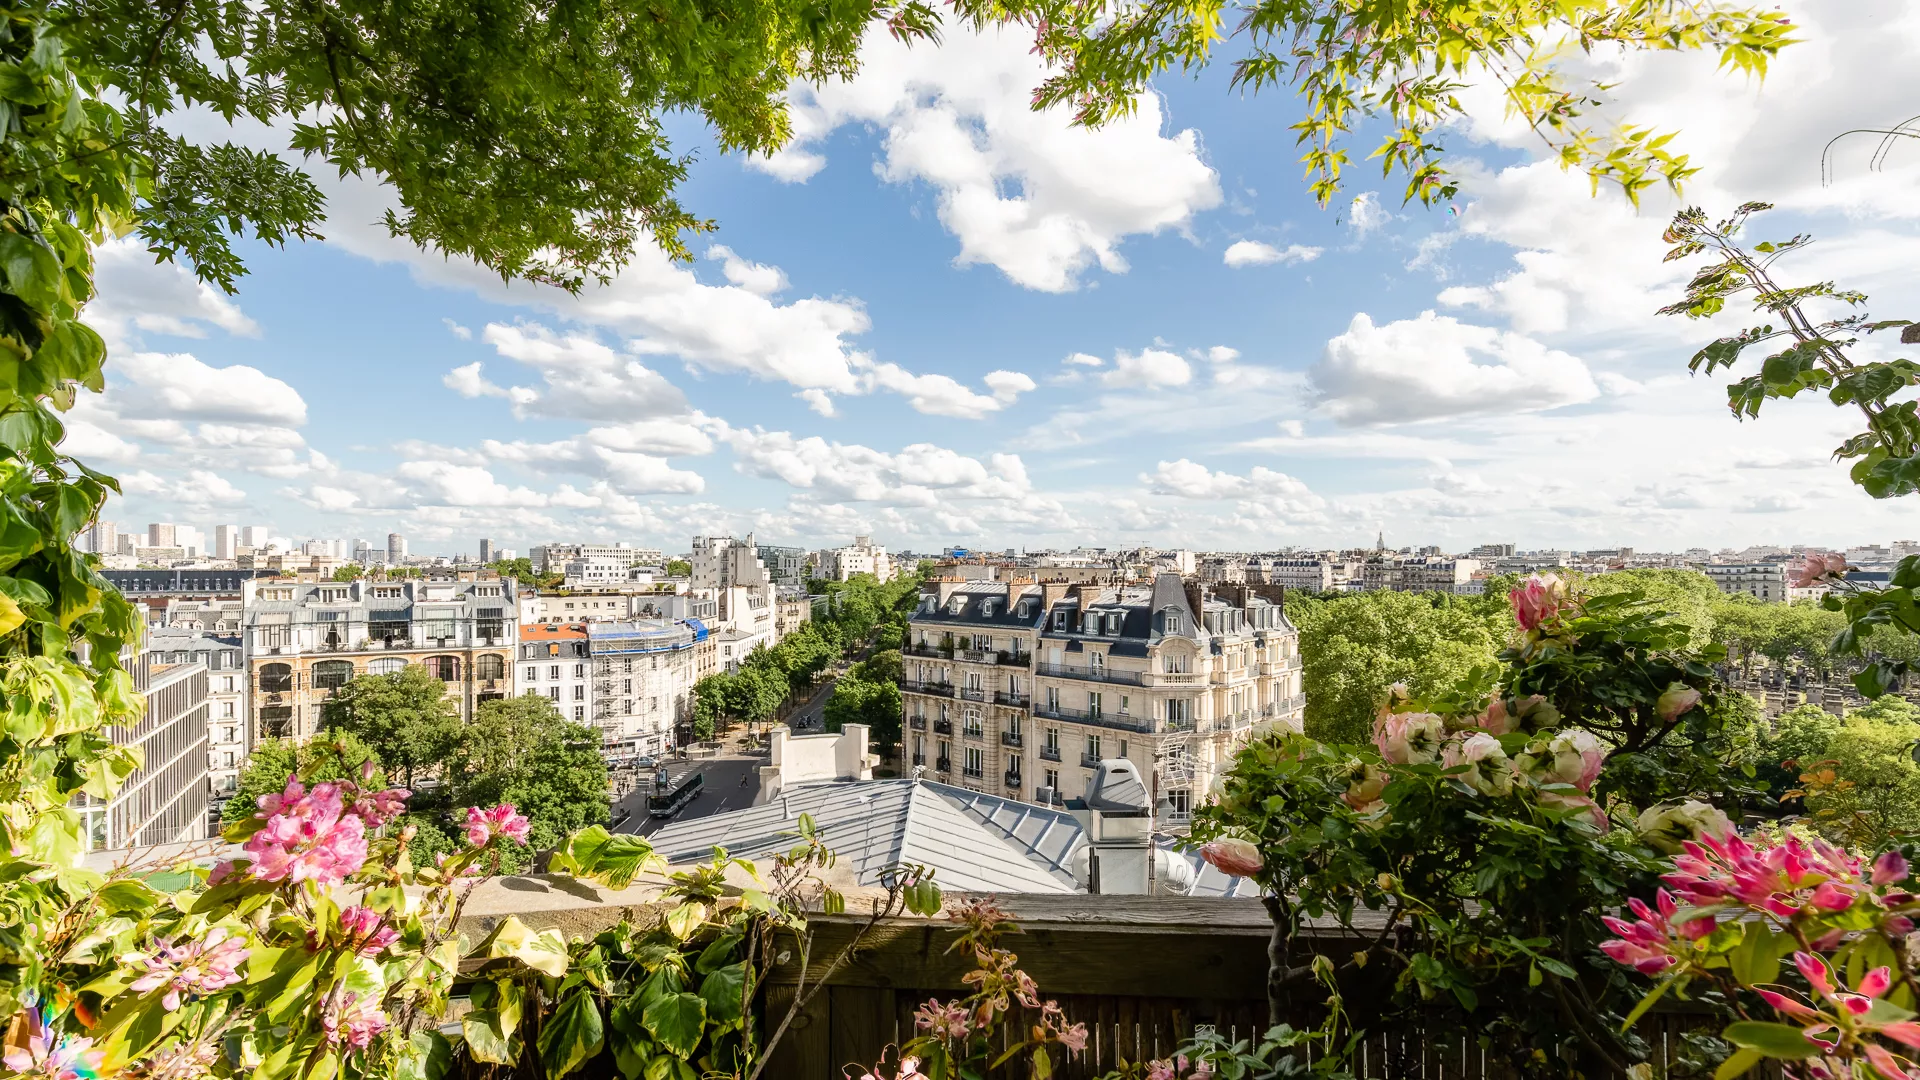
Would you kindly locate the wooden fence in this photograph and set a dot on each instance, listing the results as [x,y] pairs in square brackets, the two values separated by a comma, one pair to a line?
[1142,973]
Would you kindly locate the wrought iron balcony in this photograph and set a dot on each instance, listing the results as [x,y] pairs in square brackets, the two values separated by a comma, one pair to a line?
[1011,738]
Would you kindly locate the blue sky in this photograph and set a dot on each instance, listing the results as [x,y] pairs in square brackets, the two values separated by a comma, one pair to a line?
[942,319]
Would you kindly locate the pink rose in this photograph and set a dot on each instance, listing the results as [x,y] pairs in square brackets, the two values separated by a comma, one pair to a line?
[1818,566]
[1363,792]
[1409,738]
[1232,855]
[1676,700]
[1537,600]
[1592,815]
[1495,719]
[1489,772]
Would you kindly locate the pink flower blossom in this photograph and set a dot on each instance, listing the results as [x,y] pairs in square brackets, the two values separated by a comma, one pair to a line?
[1783,880]
[1074,1038]
[353,1021]
[1571,757]
[1409,738]
[1537,600]
[309,836]
[50,1056]
[379,807]
[1232,855]
[1890,869]
[1818,566]
[948,1021]
[1835,1012]
[365,931]
[909,1070]
[1675,700]
[502,820]
[194,967]
[181,1061]
[1495,719]
[1652,943]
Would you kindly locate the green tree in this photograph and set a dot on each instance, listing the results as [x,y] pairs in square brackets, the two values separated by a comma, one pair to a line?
[1354,647]
[712,704]
[521,750]
[1866,788]
[405,717]
[679,568]
[1687,596]
[338,756]
[1396,65]
[349,572]
[860,700]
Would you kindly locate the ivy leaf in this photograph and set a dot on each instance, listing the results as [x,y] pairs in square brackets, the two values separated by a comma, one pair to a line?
[677,1021]
[487,1038]
[571,1036]
[544,952]
[428,1056]
[723,990]
[1738,1063]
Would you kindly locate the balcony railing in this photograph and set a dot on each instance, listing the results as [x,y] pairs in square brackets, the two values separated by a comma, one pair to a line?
[1172,678]
[970,772]
[932,651]
[919,759]
[1116,721]
[1013,778]
[944,765]
[973,693]
[938,689]
[975,732]
[1087,760]
[1010,738]
[1008,697]
[917,723]
[943,727]
[1101,674]
[1050,753]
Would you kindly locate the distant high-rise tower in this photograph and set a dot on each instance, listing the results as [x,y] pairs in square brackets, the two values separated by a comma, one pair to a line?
[254,536]
[105,540]
[1380,541]
[159,535]
[225,539]
[487,551]
[396,549]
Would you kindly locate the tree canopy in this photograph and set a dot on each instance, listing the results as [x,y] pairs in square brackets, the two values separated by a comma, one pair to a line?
[405,717]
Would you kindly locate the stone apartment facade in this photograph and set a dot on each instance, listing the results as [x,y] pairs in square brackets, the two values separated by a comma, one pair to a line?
[228,742]
[555,663]
[643,674]
[1021,688]
[304,641]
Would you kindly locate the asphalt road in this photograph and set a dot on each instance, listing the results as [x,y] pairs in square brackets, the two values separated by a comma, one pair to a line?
[732,782]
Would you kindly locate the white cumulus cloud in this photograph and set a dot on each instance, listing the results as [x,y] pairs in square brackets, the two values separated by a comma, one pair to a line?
[1435,366]
[1254,253]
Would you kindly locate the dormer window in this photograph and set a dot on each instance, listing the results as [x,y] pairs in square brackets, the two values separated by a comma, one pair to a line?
[1059,620]
[986,609]
[1021,611]
[959,605]
[1173,623]
[1114,621]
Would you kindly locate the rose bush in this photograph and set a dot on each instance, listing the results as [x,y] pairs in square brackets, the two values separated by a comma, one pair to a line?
[1473,849]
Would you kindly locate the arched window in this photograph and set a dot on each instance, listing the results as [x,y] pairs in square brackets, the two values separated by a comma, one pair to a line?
[331,674]
[444,668]
[276,679]
[386,665]
[489,667]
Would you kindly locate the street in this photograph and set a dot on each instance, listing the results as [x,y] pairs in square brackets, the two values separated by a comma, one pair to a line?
[732,781]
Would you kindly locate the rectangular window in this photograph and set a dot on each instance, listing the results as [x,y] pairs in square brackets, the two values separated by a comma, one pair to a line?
[579,693]
[1093,706]
[1053,699]
[1123,748]
[1093,747]
[1179,710]
[1059,620]
[1123,704]
[553,671]
[1097,663]
[579,671]
[626,686]
[1053,739]
[973,722]
[533,674]
[1053,779]
[553,692]
[579,713]
[975,764]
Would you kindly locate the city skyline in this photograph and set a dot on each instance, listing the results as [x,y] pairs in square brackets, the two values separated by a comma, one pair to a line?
[939,318]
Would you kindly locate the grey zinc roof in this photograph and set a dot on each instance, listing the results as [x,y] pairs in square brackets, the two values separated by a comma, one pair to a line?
[974,842]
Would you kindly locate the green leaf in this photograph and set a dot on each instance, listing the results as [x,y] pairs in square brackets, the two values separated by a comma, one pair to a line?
[723,990]
[1738,1063]
[718,952]
[487,1038]
[428,1056]
[677,1021]
[1646,1002]
[682,921]
[1773,1040]
[571,1036]
[1756,959]
[613,859]
[545,952]
[121,897]
[32,273]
